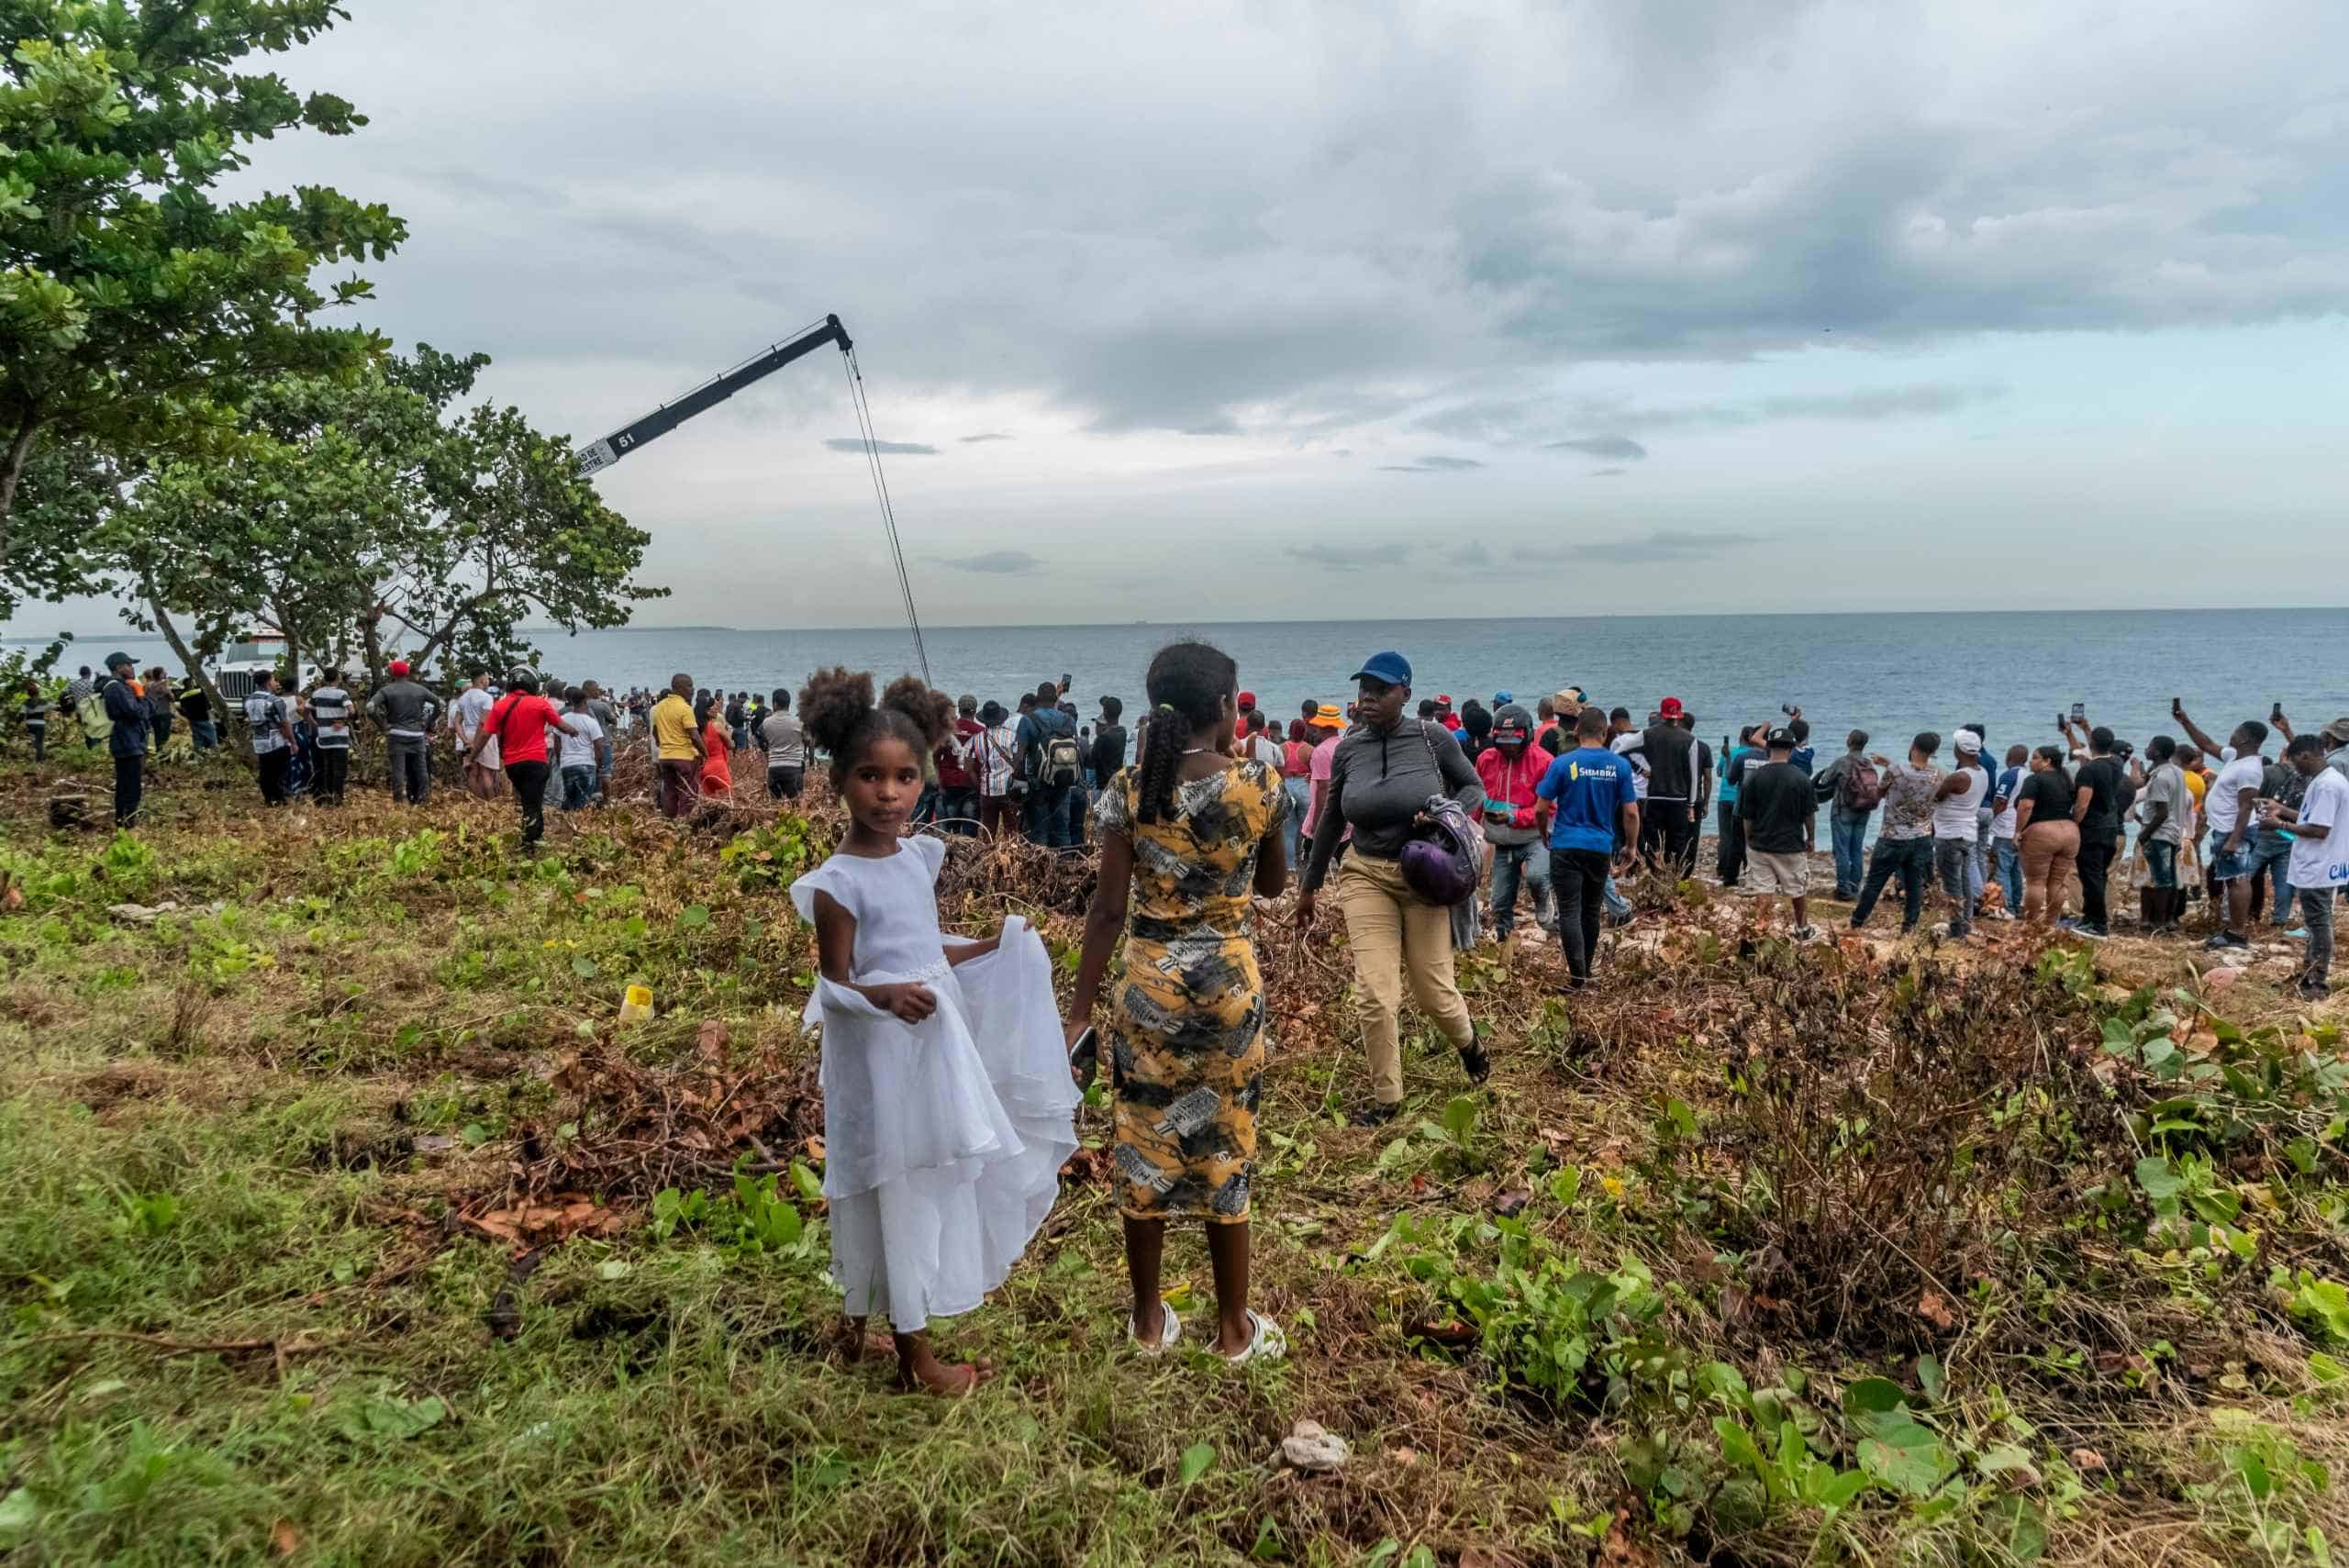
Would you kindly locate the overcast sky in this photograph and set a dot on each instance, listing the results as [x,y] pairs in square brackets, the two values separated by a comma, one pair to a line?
[1272,311]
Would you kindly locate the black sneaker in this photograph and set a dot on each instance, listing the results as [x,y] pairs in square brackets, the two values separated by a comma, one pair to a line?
[1378,1113]
[2314,990]
[2224,940]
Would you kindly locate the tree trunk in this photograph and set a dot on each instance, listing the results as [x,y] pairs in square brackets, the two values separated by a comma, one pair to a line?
[203,677]
[12,472]
[369,630]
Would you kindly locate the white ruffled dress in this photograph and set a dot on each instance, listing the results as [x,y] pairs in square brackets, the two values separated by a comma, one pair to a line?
[944,1139]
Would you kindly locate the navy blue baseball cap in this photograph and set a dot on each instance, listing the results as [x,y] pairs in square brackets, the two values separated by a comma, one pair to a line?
[1389,667]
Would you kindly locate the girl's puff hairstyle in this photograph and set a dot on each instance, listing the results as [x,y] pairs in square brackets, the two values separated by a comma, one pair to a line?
[1188,685]
[837,712]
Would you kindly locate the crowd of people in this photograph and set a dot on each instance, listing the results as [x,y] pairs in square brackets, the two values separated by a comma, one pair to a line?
[949,1099]
[2050,834]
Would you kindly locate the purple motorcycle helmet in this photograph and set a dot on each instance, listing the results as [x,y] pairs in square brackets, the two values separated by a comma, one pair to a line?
[1440,865]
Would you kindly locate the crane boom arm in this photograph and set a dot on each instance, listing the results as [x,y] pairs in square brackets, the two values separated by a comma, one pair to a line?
[708,395]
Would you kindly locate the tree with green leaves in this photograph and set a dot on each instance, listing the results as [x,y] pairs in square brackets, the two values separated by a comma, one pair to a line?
[138,308]
[345,506]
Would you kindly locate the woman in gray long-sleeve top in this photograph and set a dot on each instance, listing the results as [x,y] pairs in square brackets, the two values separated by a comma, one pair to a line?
[1380,778]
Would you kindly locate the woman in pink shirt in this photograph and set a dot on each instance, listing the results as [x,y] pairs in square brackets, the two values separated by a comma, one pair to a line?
[1328,726]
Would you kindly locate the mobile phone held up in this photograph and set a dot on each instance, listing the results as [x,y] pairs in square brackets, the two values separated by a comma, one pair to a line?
[1084,1057]
[2079,711]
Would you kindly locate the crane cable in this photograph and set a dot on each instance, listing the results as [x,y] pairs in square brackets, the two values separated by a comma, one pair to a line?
[888,512]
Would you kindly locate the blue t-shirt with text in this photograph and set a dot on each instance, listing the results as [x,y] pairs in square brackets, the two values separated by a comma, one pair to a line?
[1591,788]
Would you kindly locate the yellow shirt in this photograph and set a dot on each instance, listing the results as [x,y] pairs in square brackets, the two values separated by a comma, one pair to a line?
[673,729]
[2197,784]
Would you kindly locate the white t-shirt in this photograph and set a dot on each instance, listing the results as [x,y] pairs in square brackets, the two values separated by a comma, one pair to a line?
[2003,823]
[2323,862]
[469,710]
[2219,804]
[579,746]
[1954,814]
[1621,746]
[1265,749]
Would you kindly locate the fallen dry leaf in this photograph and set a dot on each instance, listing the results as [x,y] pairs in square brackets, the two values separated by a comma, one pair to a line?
[284,1539]
[712,1037]
[1936,1311]
[2088,1462]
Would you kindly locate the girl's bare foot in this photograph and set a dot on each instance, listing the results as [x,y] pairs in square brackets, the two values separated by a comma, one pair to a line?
[954,1381]
[858,1344]
[919,1368]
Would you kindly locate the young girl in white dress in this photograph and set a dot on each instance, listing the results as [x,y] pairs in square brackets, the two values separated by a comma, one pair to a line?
[948,1109]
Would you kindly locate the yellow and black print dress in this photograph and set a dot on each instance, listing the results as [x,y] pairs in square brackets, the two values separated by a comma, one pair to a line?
[1186,1033]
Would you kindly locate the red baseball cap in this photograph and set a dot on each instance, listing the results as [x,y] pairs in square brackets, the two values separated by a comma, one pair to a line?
[398,666]
[1443,699]
[1247,699]
[1669,707]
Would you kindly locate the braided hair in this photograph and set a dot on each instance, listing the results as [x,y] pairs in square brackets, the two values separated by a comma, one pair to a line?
[838,713]
[1188,685]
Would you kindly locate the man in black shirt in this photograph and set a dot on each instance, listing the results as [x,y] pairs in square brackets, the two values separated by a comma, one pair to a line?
[1667,822]
[2097,809]
[1108,752]
[1779,810]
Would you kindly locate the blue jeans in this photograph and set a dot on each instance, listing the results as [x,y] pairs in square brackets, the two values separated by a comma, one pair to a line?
[2270,867]
[1300,796]
[2161,862]
[2011,872]
[1513,864]
[1047,816]
[1850,831]
[205,733]
[578,786]
[1617,904]
[1952,863]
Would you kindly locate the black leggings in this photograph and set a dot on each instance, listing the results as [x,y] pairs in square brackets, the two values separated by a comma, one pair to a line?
[530,781]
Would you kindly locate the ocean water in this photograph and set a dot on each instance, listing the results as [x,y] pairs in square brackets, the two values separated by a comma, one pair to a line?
[1890,675]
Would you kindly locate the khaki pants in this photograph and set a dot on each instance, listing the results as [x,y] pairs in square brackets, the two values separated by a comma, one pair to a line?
[1393,933]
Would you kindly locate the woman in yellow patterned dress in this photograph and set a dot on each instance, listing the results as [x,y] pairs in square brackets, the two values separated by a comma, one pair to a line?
[1187,835]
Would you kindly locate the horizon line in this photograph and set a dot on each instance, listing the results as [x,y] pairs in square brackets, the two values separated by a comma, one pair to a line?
[128,636]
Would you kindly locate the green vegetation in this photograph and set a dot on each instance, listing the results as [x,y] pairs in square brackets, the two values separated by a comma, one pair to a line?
[340,1219]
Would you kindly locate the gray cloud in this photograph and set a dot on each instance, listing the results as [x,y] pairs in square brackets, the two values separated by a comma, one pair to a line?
[985,436]
[1606,472]
[998,562]
[1618,447]
[1661,544]
[1559,223]
[1432,464]
[889,449]
[1349,557]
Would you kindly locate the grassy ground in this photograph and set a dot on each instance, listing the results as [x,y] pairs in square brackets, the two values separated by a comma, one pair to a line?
[341,1221]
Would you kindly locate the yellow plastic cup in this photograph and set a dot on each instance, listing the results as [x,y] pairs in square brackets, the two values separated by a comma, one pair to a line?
[637,1004]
